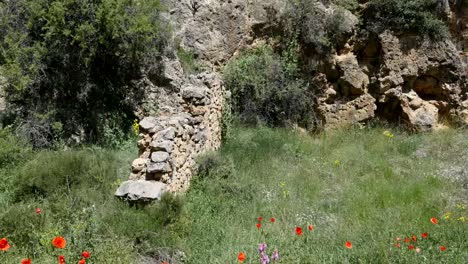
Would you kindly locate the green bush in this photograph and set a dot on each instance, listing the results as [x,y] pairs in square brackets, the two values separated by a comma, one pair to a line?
[214,165]
[12,150]
[266,87]
[414,16]
[75,60]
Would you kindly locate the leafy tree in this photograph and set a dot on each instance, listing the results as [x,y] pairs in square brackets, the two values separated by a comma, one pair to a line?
[74,60]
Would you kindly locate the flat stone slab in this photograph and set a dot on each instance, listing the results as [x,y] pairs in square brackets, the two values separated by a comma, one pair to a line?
[141,190]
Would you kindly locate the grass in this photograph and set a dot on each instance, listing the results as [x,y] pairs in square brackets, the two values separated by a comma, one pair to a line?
[355,185]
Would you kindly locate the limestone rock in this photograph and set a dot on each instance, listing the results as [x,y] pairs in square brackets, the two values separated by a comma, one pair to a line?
[159,156]
[139,164]
[148,123]
[162,145]
[141,190]
[158,167]
[353,80]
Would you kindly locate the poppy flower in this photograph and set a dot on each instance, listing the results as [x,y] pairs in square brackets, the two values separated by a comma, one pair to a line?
[434,220]
[260,219]
[442,248]
[241,257]
[424,235]
[299,231]
[4,246]
[61,259]
[59,242]
[349,245]
[82,261]
[26,261]
[258,225]
[398,245]
[414,238]
[411,247]
[38,210]
[165,262]
[272,220]
[86,254]
[407,240]
[310,227]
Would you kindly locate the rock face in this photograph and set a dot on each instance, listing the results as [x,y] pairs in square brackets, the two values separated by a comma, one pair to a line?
[141,190]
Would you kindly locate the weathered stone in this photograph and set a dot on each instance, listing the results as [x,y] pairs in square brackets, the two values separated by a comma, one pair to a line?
[159,156]
[353,80]
[139,164]
[158,167]
[148,123]
[141,190]
[162,145]
[166,134]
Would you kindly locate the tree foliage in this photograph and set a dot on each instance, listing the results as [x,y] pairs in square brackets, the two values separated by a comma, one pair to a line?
[74,60]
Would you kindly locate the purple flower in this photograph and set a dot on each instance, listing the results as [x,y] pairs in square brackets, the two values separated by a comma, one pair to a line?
[275,255]
[262,247]
[265,259]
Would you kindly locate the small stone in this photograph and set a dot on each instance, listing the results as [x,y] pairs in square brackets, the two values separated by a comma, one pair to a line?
[141,190]
[162,145]
[159,156]
[157,167]
[139,164]
[148,123]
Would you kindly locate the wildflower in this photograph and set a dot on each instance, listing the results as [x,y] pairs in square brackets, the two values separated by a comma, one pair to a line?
[337,162]
[59,242]
[262,247]
[299,231]
[272,220]
[388,134]
[82,261]
[418,250]
[310,227]
[164,262]
[86,254]
[26,261]
[349,245]
[414,238]
[4,246]
[241,257]
[61,259]
[38,210]
[424,235]
[398,245]
[447,215]
[258,225]
[407,240]
[275,255]
[462,219]
[260,219]
[434,220]
[265,259]
[398,238]
[460,206]
[411,247]
[442,248]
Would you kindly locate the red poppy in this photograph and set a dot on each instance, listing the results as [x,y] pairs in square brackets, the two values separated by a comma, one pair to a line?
[407,240]
[442,248]
[260,219]
[398,245]
[434,220]
[86,254]
[241,257]
[82,261]
[411,247]
[272,220]
[4,246]
[310,227]
[61,259]
[424,235]
[165,262]
[349,245]
[414,238]
[26,261]
[59,242]
[38,210]
[258,225]
[299,231]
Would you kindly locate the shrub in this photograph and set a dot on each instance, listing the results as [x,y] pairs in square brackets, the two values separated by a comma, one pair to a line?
[76,59]
[416,16]
[214,165]
[12,149]
[266,87]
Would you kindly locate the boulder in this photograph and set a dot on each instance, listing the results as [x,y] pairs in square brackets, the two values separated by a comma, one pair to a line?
[159,156]
[141,190]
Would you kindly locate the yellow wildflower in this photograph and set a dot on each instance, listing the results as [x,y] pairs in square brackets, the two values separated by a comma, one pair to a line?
[447,215]
[388,134]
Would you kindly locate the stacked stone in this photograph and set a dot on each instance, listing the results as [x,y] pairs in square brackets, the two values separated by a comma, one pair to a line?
[169,144]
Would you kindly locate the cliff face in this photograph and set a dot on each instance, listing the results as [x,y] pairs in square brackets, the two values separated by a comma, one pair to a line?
[397,77]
